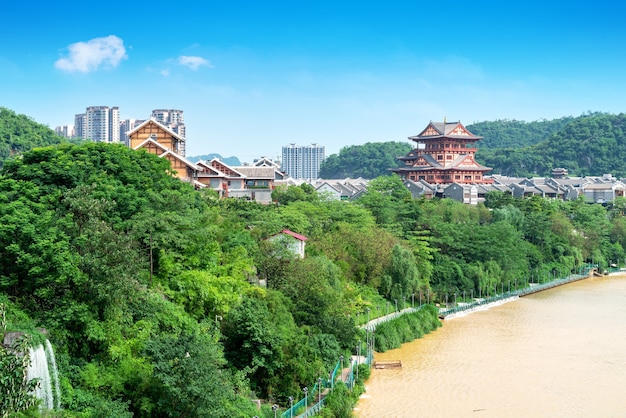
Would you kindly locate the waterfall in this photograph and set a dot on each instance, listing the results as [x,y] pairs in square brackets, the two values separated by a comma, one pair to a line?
[55,374]
[41,361]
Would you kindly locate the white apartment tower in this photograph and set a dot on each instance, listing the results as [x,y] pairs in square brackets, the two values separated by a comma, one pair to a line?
[302,162]
[66,131]
[99,124]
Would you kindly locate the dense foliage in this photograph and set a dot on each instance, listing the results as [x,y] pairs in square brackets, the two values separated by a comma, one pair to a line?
[19,133]
[589,145]
[368,161]
[162,300]
[511,134]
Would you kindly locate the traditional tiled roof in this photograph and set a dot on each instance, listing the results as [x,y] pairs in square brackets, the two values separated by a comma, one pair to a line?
[181,158]
[160,125]
[152,142]
[261,172]
[291,233]
[437,130]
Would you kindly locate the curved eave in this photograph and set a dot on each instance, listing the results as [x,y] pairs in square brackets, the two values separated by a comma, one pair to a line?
[450,168]
[438,137]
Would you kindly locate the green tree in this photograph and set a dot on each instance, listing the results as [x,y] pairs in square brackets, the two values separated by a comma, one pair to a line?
[189,378]
[17,391]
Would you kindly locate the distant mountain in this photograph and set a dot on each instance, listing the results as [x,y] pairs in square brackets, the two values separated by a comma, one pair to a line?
[369,160]
[232,161]
[19,133]
[514,133]
[593,144]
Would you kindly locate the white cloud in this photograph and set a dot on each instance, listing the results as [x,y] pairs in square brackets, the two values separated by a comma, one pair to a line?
[93,55]
[193,62]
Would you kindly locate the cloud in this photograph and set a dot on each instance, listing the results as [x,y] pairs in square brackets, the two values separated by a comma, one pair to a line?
[193,63]
[92,55]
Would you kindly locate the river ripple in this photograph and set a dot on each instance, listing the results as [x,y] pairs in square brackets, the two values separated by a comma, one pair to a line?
[557,353]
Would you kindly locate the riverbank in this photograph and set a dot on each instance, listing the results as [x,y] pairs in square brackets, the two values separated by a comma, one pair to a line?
[557,348]
[482,304]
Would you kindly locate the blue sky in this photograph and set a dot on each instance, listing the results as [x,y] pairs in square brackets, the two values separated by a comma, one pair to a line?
[254,76]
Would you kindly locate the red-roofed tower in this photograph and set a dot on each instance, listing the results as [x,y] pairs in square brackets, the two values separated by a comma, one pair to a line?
[444,154]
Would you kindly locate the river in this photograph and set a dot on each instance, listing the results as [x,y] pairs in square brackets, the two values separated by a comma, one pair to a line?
[556,353]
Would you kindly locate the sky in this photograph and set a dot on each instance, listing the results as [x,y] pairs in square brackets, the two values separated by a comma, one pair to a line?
[253,76]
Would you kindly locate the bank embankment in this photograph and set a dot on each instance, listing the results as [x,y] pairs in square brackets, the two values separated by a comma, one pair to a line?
[407,327]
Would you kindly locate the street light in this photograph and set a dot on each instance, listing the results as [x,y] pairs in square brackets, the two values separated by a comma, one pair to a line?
[396,300]
[218,317]
[341,374]
[291,409]
[319,386]
[306,398]
[274,408]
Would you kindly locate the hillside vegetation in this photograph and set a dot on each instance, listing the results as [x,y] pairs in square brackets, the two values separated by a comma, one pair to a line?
[19,133]
[161,300]
[589,145]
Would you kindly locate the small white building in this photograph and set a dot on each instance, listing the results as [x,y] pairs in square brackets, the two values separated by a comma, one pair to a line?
[293,241]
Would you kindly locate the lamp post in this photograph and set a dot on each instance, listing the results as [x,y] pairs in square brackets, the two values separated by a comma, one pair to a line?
[291,409]
[274,408]
[341,358]
[218,317]
[306,398]
[319,385]
[396,300]
[358,358]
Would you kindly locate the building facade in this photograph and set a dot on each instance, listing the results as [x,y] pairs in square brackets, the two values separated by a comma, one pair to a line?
[444,155]
[66,131]
[302,162]
[98,124]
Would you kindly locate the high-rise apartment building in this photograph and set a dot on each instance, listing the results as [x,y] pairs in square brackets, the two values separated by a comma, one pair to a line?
[66,131]
[99,124]
[302,162]
[79,126]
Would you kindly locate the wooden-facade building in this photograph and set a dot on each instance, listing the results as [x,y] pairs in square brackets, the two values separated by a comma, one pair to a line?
[157,139]
[444,154]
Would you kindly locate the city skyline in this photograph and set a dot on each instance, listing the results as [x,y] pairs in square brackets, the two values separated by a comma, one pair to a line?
[253,78]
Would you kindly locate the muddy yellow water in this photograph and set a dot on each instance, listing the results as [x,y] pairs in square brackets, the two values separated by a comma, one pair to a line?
[557,353]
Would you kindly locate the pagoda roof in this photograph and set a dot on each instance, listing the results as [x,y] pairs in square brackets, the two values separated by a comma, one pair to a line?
[463,162]
[439,130]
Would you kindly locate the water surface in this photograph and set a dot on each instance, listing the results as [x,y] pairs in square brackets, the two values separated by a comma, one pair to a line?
[557,353]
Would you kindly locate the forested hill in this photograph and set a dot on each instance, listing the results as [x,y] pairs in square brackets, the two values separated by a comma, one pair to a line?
[506,133]
[19,133]
[369,161]
[592,144]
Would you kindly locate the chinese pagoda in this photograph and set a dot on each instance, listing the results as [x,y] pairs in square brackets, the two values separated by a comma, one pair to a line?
[444,154]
